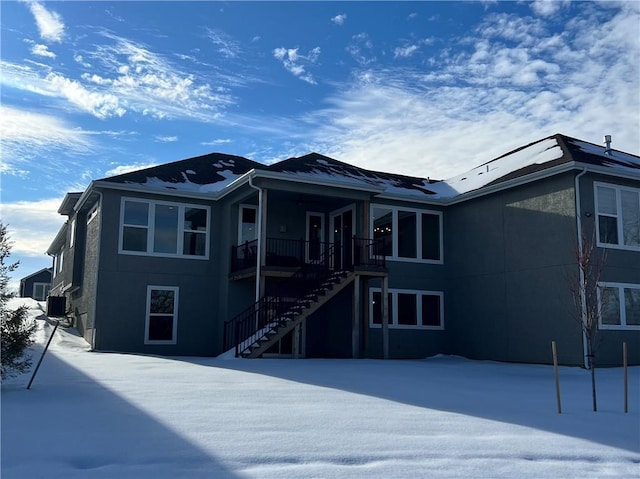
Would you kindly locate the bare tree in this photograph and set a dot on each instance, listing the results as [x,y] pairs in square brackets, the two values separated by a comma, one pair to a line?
[589,302]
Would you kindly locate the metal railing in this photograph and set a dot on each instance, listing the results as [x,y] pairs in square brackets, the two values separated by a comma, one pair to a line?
[293,253]
[268,314]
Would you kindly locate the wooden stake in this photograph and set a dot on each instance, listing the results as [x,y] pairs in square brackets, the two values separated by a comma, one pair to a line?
[555,370]
[626,381]
[42,355]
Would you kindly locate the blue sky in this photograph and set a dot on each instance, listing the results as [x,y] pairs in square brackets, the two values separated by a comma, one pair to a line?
[91,89]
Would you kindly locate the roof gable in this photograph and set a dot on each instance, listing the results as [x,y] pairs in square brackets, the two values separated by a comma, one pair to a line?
[203,174]
[315,166]
[536,157]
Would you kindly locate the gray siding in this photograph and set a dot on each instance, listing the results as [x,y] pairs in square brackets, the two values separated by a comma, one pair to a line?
[123,281]
[508,259]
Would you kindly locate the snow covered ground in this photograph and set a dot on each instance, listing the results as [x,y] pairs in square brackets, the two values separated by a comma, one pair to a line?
[107,415]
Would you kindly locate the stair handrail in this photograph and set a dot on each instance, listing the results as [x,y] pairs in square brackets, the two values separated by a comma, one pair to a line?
[270,307]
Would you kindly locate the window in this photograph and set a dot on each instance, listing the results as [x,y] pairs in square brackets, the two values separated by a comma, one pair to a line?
[618,210]
[314,236]
[58,259]
[247,229]
[407,235]
[161,322]
[619,305]
[72,233]
[408,309]
[41,291]
[164,229]
[92,213]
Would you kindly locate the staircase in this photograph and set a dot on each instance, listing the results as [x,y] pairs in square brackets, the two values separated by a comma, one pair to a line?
[298,311]
[264,323]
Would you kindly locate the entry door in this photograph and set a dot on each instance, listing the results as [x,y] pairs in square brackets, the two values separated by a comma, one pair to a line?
[342,223]
[314,236]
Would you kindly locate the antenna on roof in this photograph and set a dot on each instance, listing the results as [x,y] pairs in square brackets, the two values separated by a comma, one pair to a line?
[607,142]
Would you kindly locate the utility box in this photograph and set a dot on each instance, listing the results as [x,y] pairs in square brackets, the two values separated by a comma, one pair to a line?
[56,306]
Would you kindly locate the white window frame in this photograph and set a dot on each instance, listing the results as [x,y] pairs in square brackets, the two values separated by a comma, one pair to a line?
[393,319]
[72,233]
[58,262]
[174,335]
[394,210]
[618,189]
[623,310]
[46,288]
[93,212]
[151,228]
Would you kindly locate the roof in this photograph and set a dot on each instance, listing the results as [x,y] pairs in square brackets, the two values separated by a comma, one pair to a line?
[536,157]
[69,201]
[43,270]
[215,172]
[202,174]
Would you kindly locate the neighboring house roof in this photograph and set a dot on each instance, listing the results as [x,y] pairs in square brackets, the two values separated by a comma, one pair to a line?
[26,278]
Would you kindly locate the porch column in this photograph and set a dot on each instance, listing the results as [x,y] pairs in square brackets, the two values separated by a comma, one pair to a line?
[296,342]
[262,243]
[355,322]
[364,231]
[385,317]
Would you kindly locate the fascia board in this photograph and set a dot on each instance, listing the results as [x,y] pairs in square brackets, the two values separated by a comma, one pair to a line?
[60,238]
[154,191]
[312,181]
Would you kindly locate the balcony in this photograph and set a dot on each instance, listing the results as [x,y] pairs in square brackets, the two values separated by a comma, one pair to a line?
[285,256]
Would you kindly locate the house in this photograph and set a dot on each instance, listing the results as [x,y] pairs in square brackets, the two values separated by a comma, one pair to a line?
[313,257]
[36,285]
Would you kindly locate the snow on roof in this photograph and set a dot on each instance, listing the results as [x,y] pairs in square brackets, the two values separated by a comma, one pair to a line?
[316,167]
[214,172]
[538,153]
[201,174]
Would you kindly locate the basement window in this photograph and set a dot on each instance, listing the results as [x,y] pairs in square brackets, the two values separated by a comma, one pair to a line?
[619,305]
[161,323]
[408,309]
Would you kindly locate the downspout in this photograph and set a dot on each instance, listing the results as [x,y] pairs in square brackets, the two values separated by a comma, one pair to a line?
[259,238]
[95,288]
[583,298]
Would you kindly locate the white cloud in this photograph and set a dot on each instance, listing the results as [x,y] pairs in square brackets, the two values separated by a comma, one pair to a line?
[80,60]
[226,45]
[49,23]
[42,51]
[220,141]
[339,19]
[28,137]
[405,52]
[128,78]
[166,139]
[101,105]
[122,169]
[292,61]
[546,8]
[361,49]
[505,91]
[32,225]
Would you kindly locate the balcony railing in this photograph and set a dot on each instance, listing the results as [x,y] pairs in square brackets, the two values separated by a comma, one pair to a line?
[292,253]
